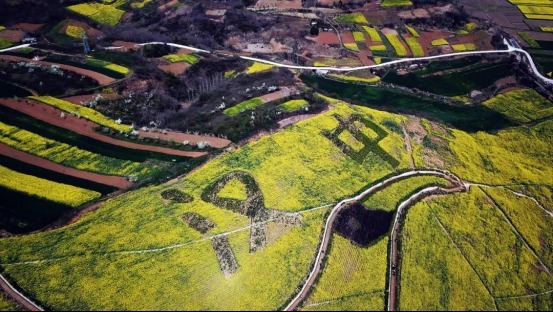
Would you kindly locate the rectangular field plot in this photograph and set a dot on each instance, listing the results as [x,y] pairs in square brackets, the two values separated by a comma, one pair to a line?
[434,273]
[351,271]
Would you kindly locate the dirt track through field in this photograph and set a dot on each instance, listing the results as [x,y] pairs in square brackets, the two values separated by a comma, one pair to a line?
[115,181]
[84,127]
[101,79]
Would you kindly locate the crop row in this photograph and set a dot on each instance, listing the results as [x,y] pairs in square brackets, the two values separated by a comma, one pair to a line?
[85,112]
[41,188]
[67,155]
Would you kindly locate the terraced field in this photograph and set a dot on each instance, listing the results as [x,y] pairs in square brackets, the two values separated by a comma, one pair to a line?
[130,230]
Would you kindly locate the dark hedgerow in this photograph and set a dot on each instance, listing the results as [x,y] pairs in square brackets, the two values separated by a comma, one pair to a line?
[369,145]
[198,222]
[177,195]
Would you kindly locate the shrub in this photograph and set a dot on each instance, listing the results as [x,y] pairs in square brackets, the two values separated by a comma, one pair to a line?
[177,196]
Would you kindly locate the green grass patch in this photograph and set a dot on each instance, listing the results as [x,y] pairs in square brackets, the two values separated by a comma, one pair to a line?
[373,33]
[64,194]
[82,111]
[353,18]
[415,46]
[395,3]
[294,105]
[521,106]
[243,106]
[100,13]
[69,156]
[188,58]
[531,41]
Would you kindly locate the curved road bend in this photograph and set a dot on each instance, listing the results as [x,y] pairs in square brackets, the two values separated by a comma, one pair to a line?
[317,267]
[17,296]
[394,264]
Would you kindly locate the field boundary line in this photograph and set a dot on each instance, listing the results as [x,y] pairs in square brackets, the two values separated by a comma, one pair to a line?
[466,259]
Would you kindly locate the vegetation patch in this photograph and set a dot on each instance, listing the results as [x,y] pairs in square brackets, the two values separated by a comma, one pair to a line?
[74,31]
[198,222]
[389,198]
[361,225]
[378,48]
[68,155]
[294,105]
[100,13]
[351,46]
[224,253]
[177,196]
[466,118]
[354,277]
[395,3]
[396,43]
[5,43]
[257,67]
[188,58]
[21,213]
[65,194]
[243,106]
[415,46]
[458,82]
[412,31]
[353,18]
[439,42]
[373,34]
[234,189]
[368,144]
[82,111]
[358,36]
[531,41]
[521,105]
[374,79]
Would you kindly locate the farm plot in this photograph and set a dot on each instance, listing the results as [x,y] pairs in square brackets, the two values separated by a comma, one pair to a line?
[397,44]
[455,83]
[100,13]
[296,169]
[434,273]
[390,100]
[85,112]
[351,271]
[395,3]
[65,194]
[521,106]
[69,156]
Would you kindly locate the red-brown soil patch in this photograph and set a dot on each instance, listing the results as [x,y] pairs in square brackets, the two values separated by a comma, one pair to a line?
[102,79]
[12,35]
[82,126]
[327,37]
[27,27]
[175,68]
[277,95]
[115,181]
[180,137]
[347,37]
[364,57]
